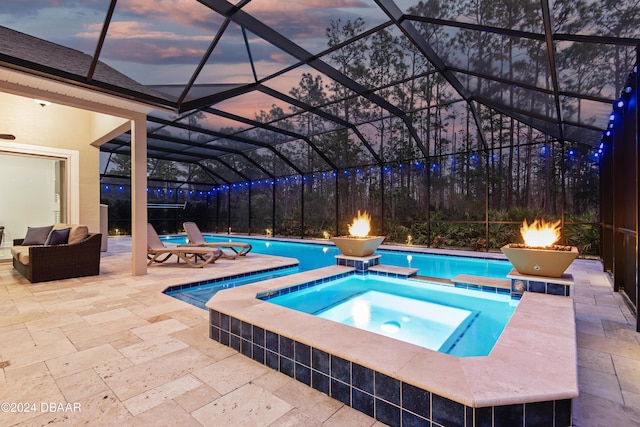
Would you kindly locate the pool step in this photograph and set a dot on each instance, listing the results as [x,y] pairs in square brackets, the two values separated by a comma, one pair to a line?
[488,284]
[437,280]
[392,270]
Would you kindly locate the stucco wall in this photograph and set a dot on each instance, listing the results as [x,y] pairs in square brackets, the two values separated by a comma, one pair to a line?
[63,127]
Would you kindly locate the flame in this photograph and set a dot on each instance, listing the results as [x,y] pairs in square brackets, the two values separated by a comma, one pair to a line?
[540,233]
[361,225]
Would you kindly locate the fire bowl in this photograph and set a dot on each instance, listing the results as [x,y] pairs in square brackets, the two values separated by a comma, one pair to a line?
[540,261]
[357,246]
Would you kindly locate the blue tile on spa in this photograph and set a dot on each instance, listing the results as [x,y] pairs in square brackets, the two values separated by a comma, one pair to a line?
[483,417]
[272,360]
[562,412]
[362,378]
[224,338]
[287,366]
[224,322]
[416,400]
[258,354]
[214,333]
[538,414]
[320,382]
[447,412]
[303,374]
[214,318]
[412,420]
[258,336]
[508,415]
[538,287]
[320,361]
[341,369]
[341,392]
[247,331]
[362,402]
[246,348]
[555,289]
[302,353]
[286,347]
[387,388]
[272,340]
[234,342]
[387,413]
[236,326]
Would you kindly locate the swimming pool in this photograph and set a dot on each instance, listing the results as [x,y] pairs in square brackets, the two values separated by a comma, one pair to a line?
[317,255]
[199,294]
[454,321]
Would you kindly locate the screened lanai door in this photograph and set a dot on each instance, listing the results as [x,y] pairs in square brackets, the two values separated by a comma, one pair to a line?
[33,194]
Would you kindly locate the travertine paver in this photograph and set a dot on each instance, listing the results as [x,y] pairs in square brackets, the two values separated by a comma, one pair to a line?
[83,340]
[126,354]
[605,333]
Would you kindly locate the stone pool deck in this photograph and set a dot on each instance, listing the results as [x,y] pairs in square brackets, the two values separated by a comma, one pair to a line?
[134,356]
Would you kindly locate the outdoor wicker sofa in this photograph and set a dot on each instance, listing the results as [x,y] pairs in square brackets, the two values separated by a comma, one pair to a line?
[79,256]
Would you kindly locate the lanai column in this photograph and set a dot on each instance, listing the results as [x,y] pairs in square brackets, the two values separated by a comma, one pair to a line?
[139,195]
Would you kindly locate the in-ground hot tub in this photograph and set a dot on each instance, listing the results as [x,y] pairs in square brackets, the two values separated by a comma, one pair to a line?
[448,319]
[530,374]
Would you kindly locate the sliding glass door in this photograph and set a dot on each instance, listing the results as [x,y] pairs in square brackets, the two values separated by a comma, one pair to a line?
[32,194]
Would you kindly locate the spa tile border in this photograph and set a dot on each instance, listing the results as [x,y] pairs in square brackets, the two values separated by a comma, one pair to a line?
[389,400]
[225,278]
[361,265]
[293,288]
[484,284]
[521,283]
[482,288]
[272,293]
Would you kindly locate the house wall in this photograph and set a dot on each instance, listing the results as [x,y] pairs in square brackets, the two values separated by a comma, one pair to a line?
[78,121]
[62,127]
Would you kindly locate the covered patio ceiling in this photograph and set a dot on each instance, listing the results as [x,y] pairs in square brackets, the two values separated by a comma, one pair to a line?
[235,83]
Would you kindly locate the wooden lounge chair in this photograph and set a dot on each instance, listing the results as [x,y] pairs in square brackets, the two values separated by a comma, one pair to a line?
[158,252]
[233,249]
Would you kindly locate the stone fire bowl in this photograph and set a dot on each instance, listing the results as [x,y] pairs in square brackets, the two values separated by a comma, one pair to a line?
[357,246]
[540,262]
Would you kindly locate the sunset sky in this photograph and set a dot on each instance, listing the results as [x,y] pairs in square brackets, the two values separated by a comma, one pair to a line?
[175,33]
[161,42]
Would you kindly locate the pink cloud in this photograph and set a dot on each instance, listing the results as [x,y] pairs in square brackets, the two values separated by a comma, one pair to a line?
[136,30]
[152,52]
[306,4]
[281,58]
[185,12]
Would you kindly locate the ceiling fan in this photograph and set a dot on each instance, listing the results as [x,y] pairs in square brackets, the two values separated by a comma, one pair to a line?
[7,136]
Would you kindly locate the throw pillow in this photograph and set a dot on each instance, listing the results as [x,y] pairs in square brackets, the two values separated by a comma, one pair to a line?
[36,235]
[78,233]
[58,237]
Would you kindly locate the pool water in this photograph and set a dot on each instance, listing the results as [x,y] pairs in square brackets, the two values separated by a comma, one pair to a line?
[455,321]
[314,255]
[199,295]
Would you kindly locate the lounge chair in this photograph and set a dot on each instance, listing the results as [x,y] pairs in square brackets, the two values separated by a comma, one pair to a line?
[158,252]
[229,249]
